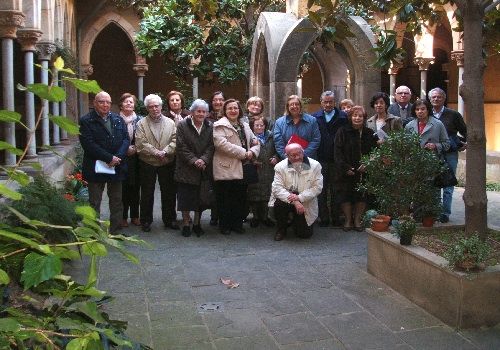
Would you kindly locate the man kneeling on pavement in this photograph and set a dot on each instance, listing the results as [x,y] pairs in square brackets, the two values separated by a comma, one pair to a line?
[295,189]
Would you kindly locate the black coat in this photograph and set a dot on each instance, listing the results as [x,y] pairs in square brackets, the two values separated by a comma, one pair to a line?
[99,144]
[190,147]
[349,148]
[328,132]
[453,122]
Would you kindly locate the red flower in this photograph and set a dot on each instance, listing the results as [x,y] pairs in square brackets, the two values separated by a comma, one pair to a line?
[69,197]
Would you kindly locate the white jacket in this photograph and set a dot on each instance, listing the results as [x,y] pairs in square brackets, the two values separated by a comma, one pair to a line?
[308,184]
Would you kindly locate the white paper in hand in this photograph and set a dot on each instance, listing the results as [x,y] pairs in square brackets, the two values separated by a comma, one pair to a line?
[381,134]
[103,168]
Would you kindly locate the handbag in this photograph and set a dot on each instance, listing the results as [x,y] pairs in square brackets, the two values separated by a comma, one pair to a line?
[250,175]
[446,178]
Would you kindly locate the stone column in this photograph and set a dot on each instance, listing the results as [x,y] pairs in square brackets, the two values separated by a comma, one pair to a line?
[9,22]
[423,65]
[28,39]
[64,133]
[140,69]
[195,88]
[56,138]
[87,70]
[393,72]
[459,57]
[45,51]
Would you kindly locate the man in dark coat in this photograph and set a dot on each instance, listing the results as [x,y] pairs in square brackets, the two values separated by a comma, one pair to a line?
[402,107]
[104,137]
[329,119]
[454,123]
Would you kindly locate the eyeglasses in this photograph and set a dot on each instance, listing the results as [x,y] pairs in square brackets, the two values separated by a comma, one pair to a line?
[154,106]
[104,102]
[403,93]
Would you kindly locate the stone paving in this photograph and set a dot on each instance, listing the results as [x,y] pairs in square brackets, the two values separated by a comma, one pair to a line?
[293,294]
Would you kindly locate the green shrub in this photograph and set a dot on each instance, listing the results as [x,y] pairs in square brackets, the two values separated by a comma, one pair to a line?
[470,250]
[44,202]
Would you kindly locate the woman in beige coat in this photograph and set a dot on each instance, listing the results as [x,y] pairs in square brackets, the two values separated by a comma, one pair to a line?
[234,143]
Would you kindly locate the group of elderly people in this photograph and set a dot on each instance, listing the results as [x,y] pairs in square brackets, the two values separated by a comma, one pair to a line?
[307,165]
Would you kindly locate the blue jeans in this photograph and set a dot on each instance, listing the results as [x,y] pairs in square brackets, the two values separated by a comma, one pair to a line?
[452,160]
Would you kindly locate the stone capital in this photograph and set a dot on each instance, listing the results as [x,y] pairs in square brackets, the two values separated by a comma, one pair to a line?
[28,38]
[424,62]
[394,68]
[141,69]
[87,69]
[458,56]
[9,22]
[45,50]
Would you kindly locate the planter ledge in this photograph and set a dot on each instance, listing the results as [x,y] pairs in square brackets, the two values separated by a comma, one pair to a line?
[461,300]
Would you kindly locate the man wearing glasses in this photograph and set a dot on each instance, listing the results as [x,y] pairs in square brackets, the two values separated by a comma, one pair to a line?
[104,139]
[402,107]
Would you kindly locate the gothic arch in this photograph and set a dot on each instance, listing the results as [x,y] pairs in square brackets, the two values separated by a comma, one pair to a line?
[282,39]
[95,27]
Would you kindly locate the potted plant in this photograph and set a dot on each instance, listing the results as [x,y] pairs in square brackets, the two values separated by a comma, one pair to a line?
[428,212]
[405,229]
[468,253]
[380,223]
[400,173]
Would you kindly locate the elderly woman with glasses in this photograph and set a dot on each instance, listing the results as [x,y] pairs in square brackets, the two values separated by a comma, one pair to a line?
[155,140]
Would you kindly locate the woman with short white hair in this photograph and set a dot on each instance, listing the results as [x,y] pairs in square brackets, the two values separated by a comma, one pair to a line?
[195,150]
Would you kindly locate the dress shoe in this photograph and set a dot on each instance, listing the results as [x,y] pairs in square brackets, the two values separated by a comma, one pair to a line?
[324,223]
[359,228]
[444,218]
[269,223]
[146,227]
[173,225]
[280,234]
[198,230]
[124,223]
[347,228]
[225,231]
[213,222]
[186,231]
[136,221]
[254,223]
[239,230]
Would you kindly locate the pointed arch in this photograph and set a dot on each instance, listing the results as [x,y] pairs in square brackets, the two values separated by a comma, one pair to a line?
[95,27]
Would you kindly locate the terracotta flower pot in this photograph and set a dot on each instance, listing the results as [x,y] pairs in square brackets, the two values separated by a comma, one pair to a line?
[427,221]
[380,223]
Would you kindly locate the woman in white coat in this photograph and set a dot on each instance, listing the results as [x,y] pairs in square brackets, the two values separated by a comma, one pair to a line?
[234,143]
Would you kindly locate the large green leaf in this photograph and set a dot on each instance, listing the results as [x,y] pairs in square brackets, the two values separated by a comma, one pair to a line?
[89,308]
[94,248]
[9,116]
[87,86]
[10,148]
[9,325]
[66,124]
[39,268]
[19,176]
[7,192]
[86,211]
[4,277]
[49,93]
[77,344]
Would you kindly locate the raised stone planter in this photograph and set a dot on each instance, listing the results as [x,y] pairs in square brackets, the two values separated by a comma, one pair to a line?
[459,299]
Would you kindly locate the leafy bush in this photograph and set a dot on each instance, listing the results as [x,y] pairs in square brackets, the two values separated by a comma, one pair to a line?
[43,308]
[44,202]
[399,174]
[406,227]
[468,252]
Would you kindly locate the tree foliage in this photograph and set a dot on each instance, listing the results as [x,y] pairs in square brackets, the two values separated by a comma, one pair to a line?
[43,307]
[209,40]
